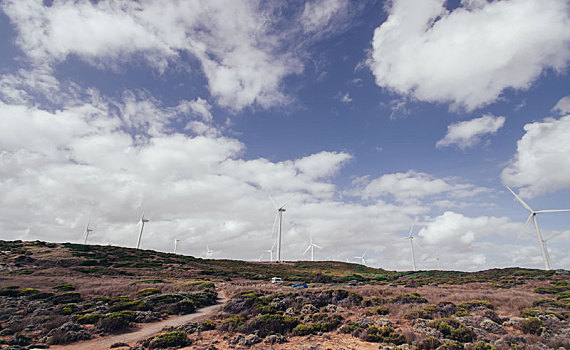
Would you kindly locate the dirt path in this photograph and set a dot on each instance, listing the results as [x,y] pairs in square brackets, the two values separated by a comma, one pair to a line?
[144,331]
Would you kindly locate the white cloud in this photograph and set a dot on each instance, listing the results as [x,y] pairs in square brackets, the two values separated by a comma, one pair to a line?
[541,164]
[413,185]
[562,106]
[241,59]
[468,134]
[470,55]
[344,98]
[456,230]
[319,13]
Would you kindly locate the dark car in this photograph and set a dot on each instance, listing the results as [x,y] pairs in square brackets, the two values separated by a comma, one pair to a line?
[299,285]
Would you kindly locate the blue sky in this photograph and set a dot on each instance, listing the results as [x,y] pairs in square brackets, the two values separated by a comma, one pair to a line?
[370,116]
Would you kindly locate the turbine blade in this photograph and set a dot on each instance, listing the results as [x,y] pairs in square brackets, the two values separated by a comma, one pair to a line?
[551,211]
[520,200]
[524,227]
[556,235]
[273,230]
[306,250]
[272,200]
[287,201]
[363,255]
[411,229]
[314,245]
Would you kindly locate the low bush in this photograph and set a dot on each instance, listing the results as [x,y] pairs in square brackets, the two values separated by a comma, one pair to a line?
[429,343]
[66,298]
[532,325]
[88,319]
[64,287]
[451,345]
[116,322]
[381,310]
[452,329]
[383,335]
[270,324]
[169,340]
[483,346]
[147,291]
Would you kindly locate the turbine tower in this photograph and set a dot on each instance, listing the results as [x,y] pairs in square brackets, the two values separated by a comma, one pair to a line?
[142,222]
[312,247]
[362,257]
[175,245]
[87,232]
[532,216]
[411,238]
[280,211]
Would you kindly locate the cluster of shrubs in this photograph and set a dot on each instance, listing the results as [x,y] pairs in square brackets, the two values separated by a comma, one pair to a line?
[108,315]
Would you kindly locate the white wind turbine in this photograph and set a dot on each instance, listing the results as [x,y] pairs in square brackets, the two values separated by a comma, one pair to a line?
[411,238]
[142,221]
[312,247]
[280,211]
[175,245]
[209,252]
[87,231]
[362,257]
[532,216]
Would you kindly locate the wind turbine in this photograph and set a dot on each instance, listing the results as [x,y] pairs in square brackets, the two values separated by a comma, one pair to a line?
[411,238]
[532,216]
[312,247]
[280,211]
[175,245]
[142,222]
[209,252]
[87,232]
[362,257]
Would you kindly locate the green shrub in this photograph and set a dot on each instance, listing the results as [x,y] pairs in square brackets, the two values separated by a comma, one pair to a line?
[483,346]
[116,322]
[29,291]
[208,325]
[532,325]
[381,310]
[66,298]
[452,345]
[169,340]
[425,313]
[270,324]
[69,309]
[147,291]
[534,312]
[429,343]
[232,324]
[476,304]
[183,307]
[135,305]
[452,329]
[64,287]
[304,329]
[409,298]
[382,335]
[88,319]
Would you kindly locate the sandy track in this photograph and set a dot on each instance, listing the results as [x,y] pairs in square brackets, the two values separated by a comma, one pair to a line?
[144,331]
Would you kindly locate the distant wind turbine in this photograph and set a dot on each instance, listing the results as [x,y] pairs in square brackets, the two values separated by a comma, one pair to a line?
[312,247]
[411,238]
[175,245]
[362,257]
[87,231]
[532,216]
[142,221]
[209,252]
[280,211]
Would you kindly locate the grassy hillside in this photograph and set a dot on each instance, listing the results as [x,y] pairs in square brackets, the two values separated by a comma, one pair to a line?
[50,259]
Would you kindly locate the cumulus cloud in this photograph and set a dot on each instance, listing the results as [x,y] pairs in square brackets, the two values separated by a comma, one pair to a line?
[562,106]
[413,185]
[452,229]
[470,55]
[541,164]
[468,134]
[241,59]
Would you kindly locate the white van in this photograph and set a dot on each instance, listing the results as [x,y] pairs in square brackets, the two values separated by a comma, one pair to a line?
[276,280]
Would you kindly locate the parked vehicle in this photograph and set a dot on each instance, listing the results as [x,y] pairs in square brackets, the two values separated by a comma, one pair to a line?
[300,285]
[276,280]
